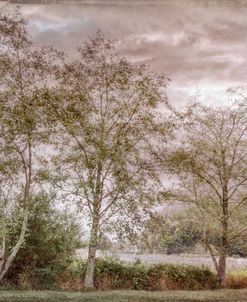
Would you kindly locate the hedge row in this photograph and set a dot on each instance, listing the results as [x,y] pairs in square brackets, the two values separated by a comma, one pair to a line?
[110,274]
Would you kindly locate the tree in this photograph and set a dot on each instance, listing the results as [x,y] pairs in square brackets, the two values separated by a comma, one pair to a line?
[104,243]
[106,114]
[23,71]
[153,236]
[173,234]
[210,163]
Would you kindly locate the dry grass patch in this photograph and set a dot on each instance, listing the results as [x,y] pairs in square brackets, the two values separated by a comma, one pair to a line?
[236,280]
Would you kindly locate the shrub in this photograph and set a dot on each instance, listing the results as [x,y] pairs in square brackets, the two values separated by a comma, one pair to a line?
[72,278]
[167,276]
[111,274]
[117,275]
[50,245]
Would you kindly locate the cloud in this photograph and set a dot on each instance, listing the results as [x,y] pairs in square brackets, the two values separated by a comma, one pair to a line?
[193,42]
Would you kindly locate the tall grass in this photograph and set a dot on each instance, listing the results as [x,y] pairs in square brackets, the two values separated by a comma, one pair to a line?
[236,280]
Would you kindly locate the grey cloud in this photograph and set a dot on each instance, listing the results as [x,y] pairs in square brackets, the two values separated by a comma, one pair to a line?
[225,30]
[192,43]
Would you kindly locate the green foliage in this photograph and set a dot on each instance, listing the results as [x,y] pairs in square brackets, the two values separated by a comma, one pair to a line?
[51,241]
[104,243]
[153,237]
[174,235]
[122,275]
[111,274]
[238,247]
[182,236]
[185,277]
[151,277]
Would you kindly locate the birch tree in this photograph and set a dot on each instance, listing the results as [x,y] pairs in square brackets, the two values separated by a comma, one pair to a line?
[211,165]
[106,113]
[23,71]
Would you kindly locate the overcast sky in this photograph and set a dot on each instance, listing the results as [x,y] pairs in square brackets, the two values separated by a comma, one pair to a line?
[200,45]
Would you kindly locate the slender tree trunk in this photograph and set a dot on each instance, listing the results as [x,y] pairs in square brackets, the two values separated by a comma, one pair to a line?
[223,254]
[224,234]
[6,264]
[3,245]
[89,276]
[209,248]
[222,269]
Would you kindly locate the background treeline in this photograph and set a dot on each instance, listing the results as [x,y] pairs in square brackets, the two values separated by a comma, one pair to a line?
[178,233]
[95,138]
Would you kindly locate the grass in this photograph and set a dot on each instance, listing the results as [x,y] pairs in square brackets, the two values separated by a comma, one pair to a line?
[123,296]
[237,280]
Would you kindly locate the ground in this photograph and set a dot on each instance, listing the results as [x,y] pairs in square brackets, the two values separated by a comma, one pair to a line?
[124,296]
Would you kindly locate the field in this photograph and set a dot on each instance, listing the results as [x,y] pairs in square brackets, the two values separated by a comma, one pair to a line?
[233,264]
[124,296]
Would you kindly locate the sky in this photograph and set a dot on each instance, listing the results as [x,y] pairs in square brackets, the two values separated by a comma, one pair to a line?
[201,45]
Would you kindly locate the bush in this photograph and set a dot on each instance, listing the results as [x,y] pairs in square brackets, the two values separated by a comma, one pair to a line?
[167,276]
[50,245]
[111,274]
[118,275]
